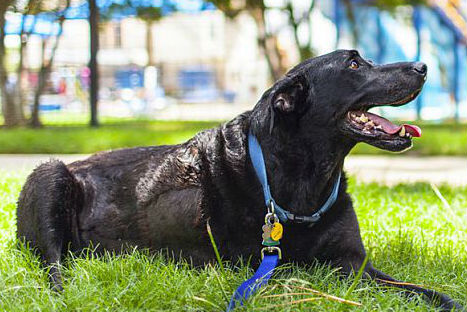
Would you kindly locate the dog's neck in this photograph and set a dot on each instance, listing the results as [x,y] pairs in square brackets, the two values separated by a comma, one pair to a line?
[301,167]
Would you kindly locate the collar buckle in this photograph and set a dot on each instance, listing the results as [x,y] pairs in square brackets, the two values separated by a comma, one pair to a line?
[298,219]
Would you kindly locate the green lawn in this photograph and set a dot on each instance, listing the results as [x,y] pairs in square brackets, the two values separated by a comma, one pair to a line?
[80,139]
[407,230]
[75,137]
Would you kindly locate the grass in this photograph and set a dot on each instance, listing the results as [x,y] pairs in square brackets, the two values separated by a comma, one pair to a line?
[407,230]
[80,139]
[74,137]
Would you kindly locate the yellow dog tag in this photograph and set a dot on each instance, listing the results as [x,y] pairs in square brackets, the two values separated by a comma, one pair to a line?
[276,231]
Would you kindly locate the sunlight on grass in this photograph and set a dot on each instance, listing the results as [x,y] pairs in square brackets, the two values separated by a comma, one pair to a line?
[405,228]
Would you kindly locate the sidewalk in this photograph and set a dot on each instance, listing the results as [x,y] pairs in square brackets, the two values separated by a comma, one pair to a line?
[392,170]
[389,170]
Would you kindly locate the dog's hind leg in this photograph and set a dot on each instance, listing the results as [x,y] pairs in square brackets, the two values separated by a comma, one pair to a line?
[46,209]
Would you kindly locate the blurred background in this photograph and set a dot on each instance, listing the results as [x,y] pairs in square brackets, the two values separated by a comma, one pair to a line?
[81,76]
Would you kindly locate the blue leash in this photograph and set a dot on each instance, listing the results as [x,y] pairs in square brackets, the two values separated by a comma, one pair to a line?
[270,261]
[252,284]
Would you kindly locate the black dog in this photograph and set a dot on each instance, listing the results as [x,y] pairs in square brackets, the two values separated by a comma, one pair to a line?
[161,197]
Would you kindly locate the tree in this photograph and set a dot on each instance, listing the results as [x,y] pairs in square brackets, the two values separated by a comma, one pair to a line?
[267,41]
[149,15]
[13,95]
[47,61]
[12,111]
[94,48]
[31,7]
[296,19]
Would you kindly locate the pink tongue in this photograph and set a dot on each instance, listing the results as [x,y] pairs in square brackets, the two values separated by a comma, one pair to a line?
[414,131]
[391,128]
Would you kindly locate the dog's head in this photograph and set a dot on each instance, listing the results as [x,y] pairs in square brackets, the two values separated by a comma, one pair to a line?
[332,94]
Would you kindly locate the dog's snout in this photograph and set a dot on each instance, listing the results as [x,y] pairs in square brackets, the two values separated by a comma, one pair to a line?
[420,68]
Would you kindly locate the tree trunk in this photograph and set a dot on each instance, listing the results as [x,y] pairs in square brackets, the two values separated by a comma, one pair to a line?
[20,69]
[268,45]
[19,87]
[94,48]
[41,80]
[304,50]
[10,113]
[149,43]
[45,70]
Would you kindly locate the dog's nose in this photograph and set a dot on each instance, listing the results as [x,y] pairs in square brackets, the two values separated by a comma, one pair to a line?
[420,68]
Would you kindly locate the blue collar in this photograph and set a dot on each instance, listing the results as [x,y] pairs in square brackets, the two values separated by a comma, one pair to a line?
[256,156]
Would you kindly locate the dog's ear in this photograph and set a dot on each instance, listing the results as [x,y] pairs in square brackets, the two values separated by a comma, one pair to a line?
[283,103]
[287,99]
[289,96]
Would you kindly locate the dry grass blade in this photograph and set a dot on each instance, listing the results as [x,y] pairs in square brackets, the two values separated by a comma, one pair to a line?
[390,283]
[212,304]
[294,302]
[440,196]
[401,283]
[452,216]
[327,296]
[288,294]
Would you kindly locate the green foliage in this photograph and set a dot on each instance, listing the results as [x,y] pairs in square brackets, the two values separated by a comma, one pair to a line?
[33,7]
[231,8]
[406,229]
[146,13]
[149,14]
[391,4]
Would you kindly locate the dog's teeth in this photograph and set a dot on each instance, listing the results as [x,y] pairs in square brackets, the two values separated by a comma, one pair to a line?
[402,132]
[363,118]
[379,127]
[370,124]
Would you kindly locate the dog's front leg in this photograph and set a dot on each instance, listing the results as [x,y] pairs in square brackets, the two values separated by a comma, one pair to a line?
[352,264]
[434,297]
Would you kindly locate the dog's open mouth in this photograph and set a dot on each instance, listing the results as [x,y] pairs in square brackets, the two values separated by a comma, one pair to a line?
[372,124]
[373,129]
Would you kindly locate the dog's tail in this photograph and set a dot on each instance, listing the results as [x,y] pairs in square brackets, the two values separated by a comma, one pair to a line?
[47,206]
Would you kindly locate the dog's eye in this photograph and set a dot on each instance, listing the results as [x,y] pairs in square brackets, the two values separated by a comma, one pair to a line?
[353,64]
